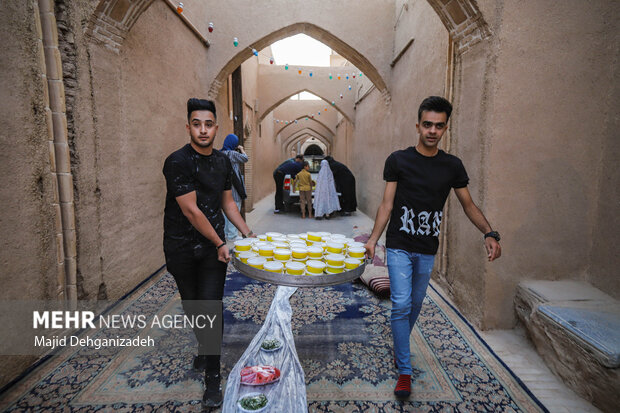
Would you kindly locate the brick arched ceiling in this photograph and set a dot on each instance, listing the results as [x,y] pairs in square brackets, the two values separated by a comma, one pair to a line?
[281,95]
[314,31]
[113,19]
[297,135]
[303,135]
[301,120]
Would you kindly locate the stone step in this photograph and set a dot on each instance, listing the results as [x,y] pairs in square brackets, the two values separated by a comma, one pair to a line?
[576,330]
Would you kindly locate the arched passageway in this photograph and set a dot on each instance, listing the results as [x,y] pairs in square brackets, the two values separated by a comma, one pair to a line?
[305,133]
[278,87]
[313,149]
[305,122]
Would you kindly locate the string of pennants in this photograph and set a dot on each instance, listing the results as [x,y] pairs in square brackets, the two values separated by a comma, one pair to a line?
[346,76]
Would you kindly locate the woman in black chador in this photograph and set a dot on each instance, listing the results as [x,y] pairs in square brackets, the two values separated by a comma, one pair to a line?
[345,184]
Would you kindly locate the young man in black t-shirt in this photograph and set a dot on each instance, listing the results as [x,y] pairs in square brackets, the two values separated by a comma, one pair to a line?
[418,182]
[198,182]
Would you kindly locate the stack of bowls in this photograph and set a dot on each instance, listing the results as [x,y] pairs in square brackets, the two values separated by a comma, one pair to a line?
[295,268]
[309,253]
[282,254]
[335,263]
[257,262]
[242,245]
[274,266]
[245,255]
[266,250]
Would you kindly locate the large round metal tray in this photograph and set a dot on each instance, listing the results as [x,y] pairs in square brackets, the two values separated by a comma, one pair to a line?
[298,280]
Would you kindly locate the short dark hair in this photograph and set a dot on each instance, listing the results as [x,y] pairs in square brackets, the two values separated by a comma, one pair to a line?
[306,164]
[200,104]
[299,157]
[435,104]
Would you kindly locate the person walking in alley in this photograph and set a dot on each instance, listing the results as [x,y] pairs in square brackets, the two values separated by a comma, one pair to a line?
[238,157]
[418,181]
[198,183]
[289,167]
[325,195]
[345,184]
[305,182]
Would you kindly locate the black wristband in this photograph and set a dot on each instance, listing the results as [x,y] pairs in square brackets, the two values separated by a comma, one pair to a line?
[221,245]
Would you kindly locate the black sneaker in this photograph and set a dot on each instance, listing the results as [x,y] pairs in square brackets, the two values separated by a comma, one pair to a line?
[200,363]
[212,396]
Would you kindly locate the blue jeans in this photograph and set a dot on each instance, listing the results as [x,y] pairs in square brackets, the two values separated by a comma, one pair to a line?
[409,273]
[230,230]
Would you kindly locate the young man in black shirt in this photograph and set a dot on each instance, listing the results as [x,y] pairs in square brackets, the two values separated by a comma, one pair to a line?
[198,182]
[418,181]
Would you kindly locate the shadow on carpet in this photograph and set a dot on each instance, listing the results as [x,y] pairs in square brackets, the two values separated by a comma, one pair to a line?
[343,341]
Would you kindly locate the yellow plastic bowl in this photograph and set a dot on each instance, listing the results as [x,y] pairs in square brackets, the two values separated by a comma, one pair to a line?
[282,254]
[273,266]
[262,237]
[266,250]
[314,236]
[295,268]
[334,270]
[245,255]
[356,252]
[297,244]
[243,245]
[315,252]
[299,252]
[351,263]
[334,260]
[335,247]
[315,267]
[257,262]
[272,235]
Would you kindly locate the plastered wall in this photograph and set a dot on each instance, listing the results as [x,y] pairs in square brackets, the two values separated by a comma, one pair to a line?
[138,100]
[527,100]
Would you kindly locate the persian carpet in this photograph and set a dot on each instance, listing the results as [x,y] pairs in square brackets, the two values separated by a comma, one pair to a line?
[343,340]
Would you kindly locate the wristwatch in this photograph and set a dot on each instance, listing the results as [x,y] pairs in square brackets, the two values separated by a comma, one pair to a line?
[492,234]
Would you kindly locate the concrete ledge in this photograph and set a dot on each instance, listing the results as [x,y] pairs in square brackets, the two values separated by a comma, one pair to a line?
[576,330]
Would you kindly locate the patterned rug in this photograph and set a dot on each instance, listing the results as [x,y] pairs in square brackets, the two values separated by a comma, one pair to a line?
[343,341]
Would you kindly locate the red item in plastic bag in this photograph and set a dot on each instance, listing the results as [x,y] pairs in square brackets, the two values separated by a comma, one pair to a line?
[258,375]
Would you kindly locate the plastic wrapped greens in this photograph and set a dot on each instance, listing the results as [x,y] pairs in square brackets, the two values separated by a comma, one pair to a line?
[288,394]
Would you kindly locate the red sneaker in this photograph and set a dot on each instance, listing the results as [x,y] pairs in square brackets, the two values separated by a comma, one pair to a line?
[403,386]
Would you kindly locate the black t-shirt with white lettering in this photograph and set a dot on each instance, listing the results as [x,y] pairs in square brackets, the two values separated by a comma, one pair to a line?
[423,185]
[186,170]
